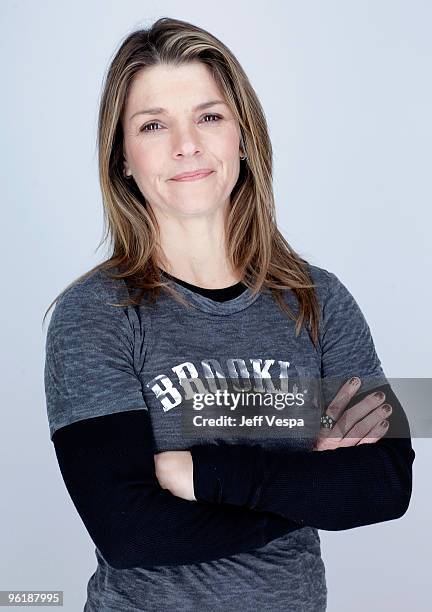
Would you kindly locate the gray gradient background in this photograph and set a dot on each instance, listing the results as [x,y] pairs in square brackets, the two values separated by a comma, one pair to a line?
[347,93]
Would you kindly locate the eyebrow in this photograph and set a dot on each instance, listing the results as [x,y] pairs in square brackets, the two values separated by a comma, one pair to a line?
[159,110]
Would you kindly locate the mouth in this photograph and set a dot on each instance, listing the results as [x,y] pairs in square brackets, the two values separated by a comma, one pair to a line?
[193,177]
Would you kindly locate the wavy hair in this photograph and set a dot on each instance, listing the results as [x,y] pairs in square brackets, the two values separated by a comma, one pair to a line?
[255,247]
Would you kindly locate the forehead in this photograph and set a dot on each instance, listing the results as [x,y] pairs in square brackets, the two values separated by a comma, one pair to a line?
[167,85]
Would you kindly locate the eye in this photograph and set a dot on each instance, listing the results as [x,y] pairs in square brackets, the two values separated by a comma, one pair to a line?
[144,127]
[217,117]
[154,123]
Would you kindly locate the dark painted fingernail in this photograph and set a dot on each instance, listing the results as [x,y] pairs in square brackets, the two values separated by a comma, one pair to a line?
[379,394]
[387,407]
[384,423]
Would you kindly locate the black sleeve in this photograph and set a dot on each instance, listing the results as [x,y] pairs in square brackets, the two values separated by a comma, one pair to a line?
[108,468]
[332,489]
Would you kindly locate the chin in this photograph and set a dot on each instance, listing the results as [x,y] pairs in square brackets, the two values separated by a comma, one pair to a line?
[190,208]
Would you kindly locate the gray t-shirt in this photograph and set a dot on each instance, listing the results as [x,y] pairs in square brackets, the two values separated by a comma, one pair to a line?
[102,359]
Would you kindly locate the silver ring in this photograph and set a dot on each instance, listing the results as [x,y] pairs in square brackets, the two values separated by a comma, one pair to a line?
[327,421]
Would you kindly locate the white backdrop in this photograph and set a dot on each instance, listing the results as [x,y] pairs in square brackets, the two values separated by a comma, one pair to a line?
[346,89]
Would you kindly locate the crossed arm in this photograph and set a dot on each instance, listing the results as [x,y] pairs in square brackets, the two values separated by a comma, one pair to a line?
[108,468]
[334,489]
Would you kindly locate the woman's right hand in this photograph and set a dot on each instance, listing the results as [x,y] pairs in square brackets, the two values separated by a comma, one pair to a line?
[363,421]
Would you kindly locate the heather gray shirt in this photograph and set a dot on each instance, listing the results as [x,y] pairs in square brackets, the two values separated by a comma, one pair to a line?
[102,359]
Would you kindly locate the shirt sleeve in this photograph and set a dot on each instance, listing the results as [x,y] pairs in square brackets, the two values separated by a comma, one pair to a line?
[333,489]
[347,346]
[101,431]
[90,355]
[108,468]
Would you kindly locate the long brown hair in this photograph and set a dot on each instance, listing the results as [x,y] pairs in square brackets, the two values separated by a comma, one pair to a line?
[255,246]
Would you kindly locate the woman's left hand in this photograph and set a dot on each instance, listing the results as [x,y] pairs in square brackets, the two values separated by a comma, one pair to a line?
[174,471]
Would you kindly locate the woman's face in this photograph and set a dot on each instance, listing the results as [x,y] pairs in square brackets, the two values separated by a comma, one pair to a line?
[161,144]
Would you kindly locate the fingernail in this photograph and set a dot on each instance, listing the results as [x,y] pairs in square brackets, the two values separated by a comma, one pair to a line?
[384,423]
[354,381]
[379,395]
[387,408]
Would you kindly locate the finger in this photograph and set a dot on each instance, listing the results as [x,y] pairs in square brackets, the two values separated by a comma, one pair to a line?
[359,411]
[333,435]
[373,418]
[353,428]
[376,433]
[368,430]
[342,397]
[351,441]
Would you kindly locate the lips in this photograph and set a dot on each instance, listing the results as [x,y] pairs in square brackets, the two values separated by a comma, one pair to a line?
[190,176]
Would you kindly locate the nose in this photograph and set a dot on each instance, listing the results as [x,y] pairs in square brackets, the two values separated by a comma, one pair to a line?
[186,142]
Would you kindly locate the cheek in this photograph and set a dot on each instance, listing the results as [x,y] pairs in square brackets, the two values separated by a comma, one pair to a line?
[148,167]
[230,150]
[147,170]
[144,158]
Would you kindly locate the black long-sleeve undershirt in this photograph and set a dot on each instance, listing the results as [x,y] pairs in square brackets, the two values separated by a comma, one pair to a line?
[332,489]
[108,468]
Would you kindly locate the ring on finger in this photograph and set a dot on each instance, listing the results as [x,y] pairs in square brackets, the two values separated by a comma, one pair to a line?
[327,421]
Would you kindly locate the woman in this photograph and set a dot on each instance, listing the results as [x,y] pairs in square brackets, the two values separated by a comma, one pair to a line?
[203,294]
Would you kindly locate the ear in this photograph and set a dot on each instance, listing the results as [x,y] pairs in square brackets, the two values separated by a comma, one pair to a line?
[126,169]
